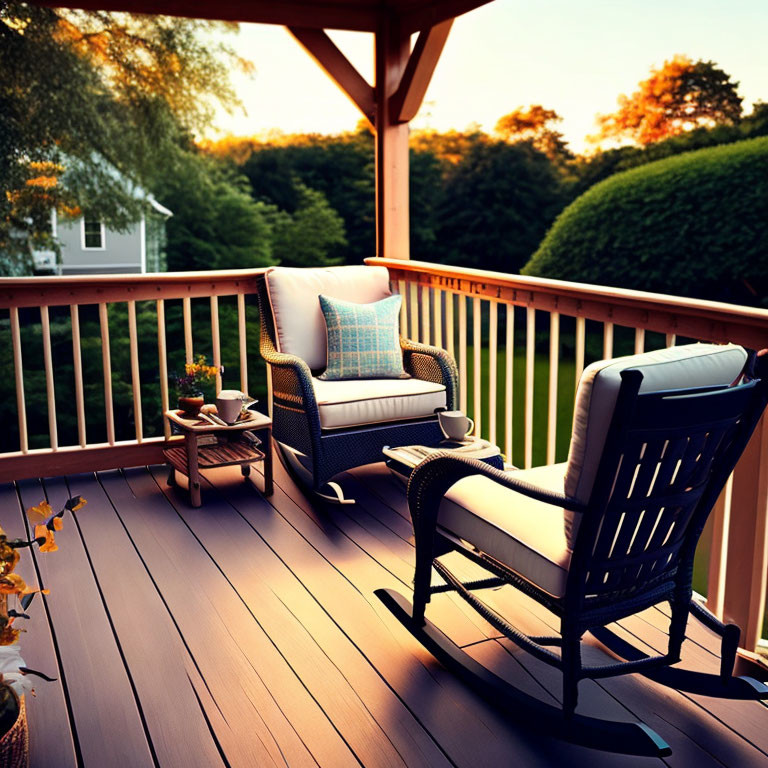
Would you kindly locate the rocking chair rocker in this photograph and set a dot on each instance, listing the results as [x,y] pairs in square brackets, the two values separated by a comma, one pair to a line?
[608,534]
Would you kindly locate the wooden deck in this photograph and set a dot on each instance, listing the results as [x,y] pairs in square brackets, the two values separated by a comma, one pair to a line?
[246,633]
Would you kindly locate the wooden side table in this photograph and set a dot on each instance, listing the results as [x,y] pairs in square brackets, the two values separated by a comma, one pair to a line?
[230,448]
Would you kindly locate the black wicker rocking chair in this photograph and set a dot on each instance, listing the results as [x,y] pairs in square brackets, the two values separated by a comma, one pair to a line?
[666,457]
[314,453]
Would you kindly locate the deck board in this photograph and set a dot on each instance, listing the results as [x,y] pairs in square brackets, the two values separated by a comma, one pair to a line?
[246,633]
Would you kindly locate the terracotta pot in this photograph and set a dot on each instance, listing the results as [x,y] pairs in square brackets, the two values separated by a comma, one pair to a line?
[191,404]
[14,744]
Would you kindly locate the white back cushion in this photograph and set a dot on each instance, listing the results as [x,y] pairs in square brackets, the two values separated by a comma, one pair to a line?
[691,365]
[299,321]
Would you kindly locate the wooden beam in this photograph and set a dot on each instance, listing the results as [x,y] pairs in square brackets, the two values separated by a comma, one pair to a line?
[355,16]
[425,14]
[336,65]
[421,66]
[392,205]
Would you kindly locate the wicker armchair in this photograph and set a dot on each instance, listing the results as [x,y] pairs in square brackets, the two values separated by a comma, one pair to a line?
[323,428]
[610,533]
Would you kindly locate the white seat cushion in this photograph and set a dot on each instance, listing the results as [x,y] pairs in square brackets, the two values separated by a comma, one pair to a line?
[352,402]
[528,536]
[690,365]
[293,296]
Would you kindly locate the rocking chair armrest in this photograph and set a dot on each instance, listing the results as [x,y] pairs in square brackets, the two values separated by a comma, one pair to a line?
[432,478]
[431,364]
[300,371]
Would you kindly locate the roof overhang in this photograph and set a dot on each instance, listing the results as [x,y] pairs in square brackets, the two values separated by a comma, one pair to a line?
[356,15]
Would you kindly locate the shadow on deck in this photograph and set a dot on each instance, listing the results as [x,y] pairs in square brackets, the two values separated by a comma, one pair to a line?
[246,633]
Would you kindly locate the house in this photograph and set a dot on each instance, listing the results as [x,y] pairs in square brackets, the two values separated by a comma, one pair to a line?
[87,245]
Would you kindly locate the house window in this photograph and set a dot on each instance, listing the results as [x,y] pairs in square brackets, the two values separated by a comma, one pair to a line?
[93,234]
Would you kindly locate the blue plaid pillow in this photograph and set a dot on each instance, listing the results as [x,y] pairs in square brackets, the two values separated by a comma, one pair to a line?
[363,339]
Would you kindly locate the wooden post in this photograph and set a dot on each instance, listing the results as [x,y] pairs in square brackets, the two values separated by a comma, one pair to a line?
[392,204]
[747,561]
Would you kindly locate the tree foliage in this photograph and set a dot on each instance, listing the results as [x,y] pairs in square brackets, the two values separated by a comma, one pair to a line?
[680,95]
[110,93]
[695,224]
[216,224]
[535,124]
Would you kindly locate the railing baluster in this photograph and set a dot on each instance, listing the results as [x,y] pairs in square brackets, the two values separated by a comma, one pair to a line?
[413,310]
[107,366]
[135,376]
[476,362]
[19,376]
[579,349]
[554,358]
[437,321]
[639,340]
[747,559]
[186,304]
[424,314]
[720,517]
[49,386]
[509,360]
[607,340]
[449,329]
[463,352]
[77,362]
[530,361]
[215,340]
[493,343]
[401,289]
[162,359]
[241,330]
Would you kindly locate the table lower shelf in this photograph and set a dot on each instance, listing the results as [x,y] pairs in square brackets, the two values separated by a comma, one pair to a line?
[209,456]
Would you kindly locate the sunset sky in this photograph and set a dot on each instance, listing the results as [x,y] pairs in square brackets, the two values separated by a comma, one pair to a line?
[574,57]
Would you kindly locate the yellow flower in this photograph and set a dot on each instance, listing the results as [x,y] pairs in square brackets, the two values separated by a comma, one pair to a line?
[13,584]
[9,557]
[9,635]
[40,513]
[43,532]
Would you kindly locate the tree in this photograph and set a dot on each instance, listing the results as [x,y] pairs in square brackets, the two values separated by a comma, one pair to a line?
[108,90]
[534,124]
[496,205]
[679,96]
[216,224]
[695,223]
[312,235]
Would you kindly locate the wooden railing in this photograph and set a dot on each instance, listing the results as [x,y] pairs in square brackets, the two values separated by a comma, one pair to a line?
[26,309]
[507,332]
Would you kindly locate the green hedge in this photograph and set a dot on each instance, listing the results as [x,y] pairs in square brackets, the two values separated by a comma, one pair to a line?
[695,224]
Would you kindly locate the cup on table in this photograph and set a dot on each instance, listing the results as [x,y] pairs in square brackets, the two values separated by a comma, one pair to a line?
[455,424]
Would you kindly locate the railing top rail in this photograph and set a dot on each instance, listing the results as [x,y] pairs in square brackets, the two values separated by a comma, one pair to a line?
[695,318]
[93,289]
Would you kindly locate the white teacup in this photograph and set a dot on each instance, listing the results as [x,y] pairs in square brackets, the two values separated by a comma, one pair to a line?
[455,424]
[229,404]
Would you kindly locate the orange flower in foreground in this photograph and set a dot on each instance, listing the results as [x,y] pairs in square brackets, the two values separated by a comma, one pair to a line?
[8,556]
[40,513]
[13,584]
[43,532]
[9,635]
